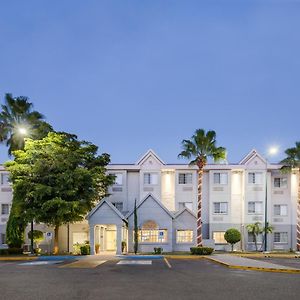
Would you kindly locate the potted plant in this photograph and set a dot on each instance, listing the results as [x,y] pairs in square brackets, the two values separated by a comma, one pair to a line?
[124,246]
[97,248]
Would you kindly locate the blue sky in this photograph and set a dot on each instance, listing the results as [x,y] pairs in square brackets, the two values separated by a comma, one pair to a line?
[133,75]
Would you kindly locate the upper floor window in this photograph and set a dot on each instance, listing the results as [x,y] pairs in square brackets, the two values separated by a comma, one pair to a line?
[220,207]
[118,178]
[150,178]
[280,237]
[118,205]
[4,179]
[185,178]
[220,178]
[280,210]
[255,178]
[280,182]
[4,209]
[255,207]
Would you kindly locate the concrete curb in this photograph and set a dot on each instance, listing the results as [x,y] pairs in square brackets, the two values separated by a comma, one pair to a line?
[281,270]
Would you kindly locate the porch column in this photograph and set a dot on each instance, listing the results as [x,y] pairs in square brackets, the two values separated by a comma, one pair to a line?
[119,239]
[92,239]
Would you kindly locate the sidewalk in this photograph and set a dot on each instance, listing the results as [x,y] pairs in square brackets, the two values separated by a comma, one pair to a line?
[238,262]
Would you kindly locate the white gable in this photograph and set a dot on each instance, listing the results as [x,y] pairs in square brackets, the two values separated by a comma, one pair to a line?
[150,160]
[254,160]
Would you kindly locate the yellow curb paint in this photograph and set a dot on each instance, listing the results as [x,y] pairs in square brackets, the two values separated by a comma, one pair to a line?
[17,258]
[84,264]
[183,257]
[167,263]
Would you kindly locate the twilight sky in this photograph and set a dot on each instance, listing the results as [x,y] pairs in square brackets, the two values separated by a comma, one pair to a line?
[130,75]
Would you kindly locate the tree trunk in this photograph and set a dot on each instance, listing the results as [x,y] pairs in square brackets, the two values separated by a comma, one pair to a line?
[199,210]
[56,239]
[298,214]
[255,242]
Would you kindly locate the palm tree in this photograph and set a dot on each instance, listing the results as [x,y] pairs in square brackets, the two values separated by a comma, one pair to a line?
[18,113]
[255,229]
[199,148]
[292,163]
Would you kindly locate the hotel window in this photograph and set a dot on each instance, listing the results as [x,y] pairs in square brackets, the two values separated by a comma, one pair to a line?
[118,178]
[251,238]
[218,236]
[281,237]
[280,182]
[185,178]
[255,207]
[220,178]
[4,209]
[4,179]
[255,178]
[184,236]
[220,207]
[150,178]
[280,210]
[118,205]
[3,238]
[150,233]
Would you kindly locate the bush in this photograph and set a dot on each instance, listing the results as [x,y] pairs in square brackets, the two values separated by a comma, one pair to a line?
[201,250]
[85,249]
[232,236]
[15,251]
[3,251]
[158,250]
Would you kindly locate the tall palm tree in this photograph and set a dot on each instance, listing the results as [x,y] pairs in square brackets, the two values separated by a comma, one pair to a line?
[255,229]
[292,163]
[199,148]
[18,113]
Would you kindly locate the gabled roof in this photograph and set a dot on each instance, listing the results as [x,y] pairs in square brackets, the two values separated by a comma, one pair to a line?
[155,200]
[176,215]
[250,155]
[149,153]
[110,205]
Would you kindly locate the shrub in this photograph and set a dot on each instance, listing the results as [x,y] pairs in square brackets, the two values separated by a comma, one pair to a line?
[232,236]
[124,244]
[15,251]
[85,249]
[201,250]
[3,251]
[158,250]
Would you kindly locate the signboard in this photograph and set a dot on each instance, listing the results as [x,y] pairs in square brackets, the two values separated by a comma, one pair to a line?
[161,235]
[48,235]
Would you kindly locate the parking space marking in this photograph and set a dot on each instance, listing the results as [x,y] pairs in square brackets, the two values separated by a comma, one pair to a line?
[41,263]
[135,262]
[84,264]
[167,263]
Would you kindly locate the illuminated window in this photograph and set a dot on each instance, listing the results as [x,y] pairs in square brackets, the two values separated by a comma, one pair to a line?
[150,233]
[150,178]
[255,178]
[281,237]
[280,182]
[218,236]
[185,178]
[280,210]
[184,236]
[220,178]
[255,207]
[220,207]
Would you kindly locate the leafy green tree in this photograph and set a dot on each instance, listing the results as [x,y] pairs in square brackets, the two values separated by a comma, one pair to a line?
[136,229]
[232,236]
[255,229]
[199,148]
[58,179]
[18,113]
[292,164]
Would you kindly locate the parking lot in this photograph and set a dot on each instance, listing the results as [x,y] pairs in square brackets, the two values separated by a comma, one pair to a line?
[186,279]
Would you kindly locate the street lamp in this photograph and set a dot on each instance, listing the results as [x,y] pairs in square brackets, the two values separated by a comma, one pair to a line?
[271,152]
[23,131]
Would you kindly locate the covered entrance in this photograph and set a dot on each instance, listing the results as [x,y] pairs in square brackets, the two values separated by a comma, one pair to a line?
[105,238]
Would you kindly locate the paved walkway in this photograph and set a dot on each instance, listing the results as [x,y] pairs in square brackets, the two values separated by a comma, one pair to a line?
[235,261]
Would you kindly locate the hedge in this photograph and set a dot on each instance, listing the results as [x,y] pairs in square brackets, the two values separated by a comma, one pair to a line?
[201,250]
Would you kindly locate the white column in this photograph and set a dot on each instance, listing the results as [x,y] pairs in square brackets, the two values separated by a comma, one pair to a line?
[119,239]
[92,239]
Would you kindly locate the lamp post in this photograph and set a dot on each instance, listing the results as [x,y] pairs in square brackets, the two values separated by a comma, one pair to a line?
[23,132]
[272,151]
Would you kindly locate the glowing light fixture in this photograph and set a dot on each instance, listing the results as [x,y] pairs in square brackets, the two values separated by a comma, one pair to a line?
[22,130]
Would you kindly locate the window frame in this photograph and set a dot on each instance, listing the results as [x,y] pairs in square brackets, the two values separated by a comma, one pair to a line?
[219,232]
[219,175]
[153,233]
[185,237]
[150,174]
[8,209]
[280,237]
[281,186]
[254,178]
[185,176]
[255,212]
[280,205]
[220,204]
[3,175]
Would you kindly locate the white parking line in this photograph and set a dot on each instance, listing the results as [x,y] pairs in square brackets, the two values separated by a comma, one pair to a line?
[135,262]
[167,263]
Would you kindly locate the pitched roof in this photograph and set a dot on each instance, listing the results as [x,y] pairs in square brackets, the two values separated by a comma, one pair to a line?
[147,154]
[176,215]
[155,200]
[110,205]
[250,155]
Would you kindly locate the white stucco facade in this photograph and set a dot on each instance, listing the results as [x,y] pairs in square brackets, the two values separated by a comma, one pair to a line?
[234,195]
